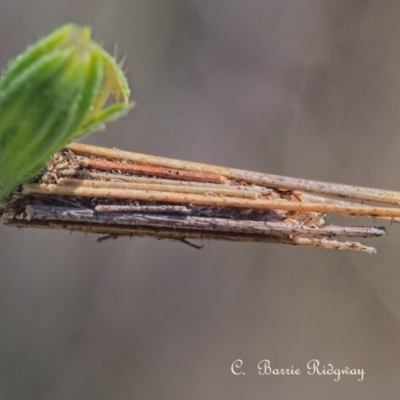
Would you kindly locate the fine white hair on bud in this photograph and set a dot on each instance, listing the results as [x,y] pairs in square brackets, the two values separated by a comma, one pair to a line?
[53,93]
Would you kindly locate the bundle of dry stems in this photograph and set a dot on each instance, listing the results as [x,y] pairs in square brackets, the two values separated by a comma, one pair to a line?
[118,193]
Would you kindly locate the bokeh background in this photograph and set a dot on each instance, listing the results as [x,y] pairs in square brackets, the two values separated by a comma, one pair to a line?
[307,88]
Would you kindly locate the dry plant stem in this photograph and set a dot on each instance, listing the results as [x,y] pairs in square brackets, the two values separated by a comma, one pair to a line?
[148,209]
[86,174]
[154,171]
[154,185]
[197,223]
[153,195]
[179,234]
[276,181]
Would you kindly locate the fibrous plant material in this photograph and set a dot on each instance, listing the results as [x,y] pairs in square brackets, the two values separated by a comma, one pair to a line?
[118,193]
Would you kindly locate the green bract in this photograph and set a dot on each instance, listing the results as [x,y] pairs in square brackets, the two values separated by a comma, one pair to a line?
[51,94]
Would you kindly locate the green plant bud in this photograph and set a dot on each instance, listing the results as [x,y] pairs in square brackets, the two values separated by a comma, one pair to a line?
[52,94]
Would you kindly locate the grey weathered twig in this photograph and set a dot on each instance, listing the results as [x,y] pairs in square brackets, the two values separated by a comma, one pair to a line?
[184,221]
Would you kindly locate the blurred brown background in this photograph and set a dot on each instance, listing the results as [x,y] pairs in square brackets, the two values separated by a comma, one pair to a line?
[309,89]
